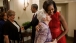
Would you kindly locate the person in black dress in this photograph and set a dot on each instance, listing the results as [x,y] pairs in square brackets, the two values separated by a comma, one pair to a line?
[11,29]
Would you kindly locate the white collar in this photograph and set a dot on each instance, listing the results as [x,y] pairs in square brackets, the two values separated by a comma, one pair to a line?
[35,13]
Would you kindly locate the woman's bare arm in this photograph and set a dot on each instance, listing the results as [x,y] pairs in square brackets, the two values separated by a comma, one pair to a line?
[6,39]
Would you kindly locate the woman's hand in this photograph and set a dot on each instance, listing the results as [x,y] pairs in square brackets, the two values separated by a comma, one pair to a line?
[54,41]
[37,28]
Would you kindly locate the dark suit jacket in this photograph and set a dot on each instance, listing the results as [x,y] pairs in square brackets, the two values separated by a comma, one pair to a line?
[11,30]
[33,23]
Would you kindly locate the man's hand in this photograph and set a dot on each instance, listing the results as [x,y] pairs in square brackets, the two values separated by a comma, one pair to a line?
[22,27]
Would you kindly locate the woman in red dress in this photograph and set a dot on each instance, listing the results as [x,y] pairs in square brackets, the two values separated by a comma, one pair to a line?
[56,22]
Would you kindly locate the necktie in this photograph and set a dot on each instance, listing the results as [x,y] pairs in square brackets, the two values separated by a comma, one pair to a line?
[33,16]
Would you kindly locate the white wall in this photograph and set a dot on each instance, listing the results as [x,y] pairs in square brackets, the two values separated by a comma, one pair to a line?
[41,4]
[64,1]
[71,18]
[17,6]
[36,2]
[1,2]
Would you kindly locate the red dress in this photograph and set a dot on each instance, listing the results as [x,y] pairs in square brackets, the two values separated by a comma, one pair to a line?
[55,27]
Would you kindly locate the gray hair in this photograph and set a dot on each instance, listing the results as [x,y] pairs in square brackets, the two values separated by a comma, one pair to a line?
[40,15]
[10,12]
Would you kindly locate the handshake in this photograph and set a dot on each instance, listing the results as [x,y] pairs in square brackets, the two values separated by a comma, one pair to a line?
[27,30]
[22,29]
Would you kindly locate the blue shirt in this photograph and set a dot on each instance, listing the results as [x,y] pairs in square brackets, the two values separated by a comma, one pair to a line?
[1,25]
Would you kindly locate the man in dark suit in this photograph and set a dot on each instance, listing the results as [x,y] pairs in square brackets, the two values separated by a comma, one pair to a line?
[34,22]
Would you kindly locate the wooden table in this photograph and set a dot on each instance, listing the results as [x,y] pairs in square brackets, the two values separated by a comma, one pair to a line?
[26,34]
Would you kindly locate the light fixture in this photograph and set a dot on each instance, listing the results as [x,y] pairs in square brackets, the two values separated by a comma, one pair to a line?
[26,4]
[9,0]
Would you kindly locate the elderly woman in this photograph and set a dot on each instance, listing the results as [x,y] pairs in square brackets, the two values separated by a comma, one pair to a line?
[11,29]
[43,35]
[3,18]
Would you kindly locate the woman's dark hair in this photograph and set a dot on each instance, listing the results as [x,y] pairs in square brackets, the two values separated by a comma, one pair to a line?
[2,15]
[48,3]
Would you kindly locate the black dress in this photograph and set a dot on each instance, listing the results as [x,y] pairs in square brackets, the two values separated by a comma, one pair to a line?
[11,30]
